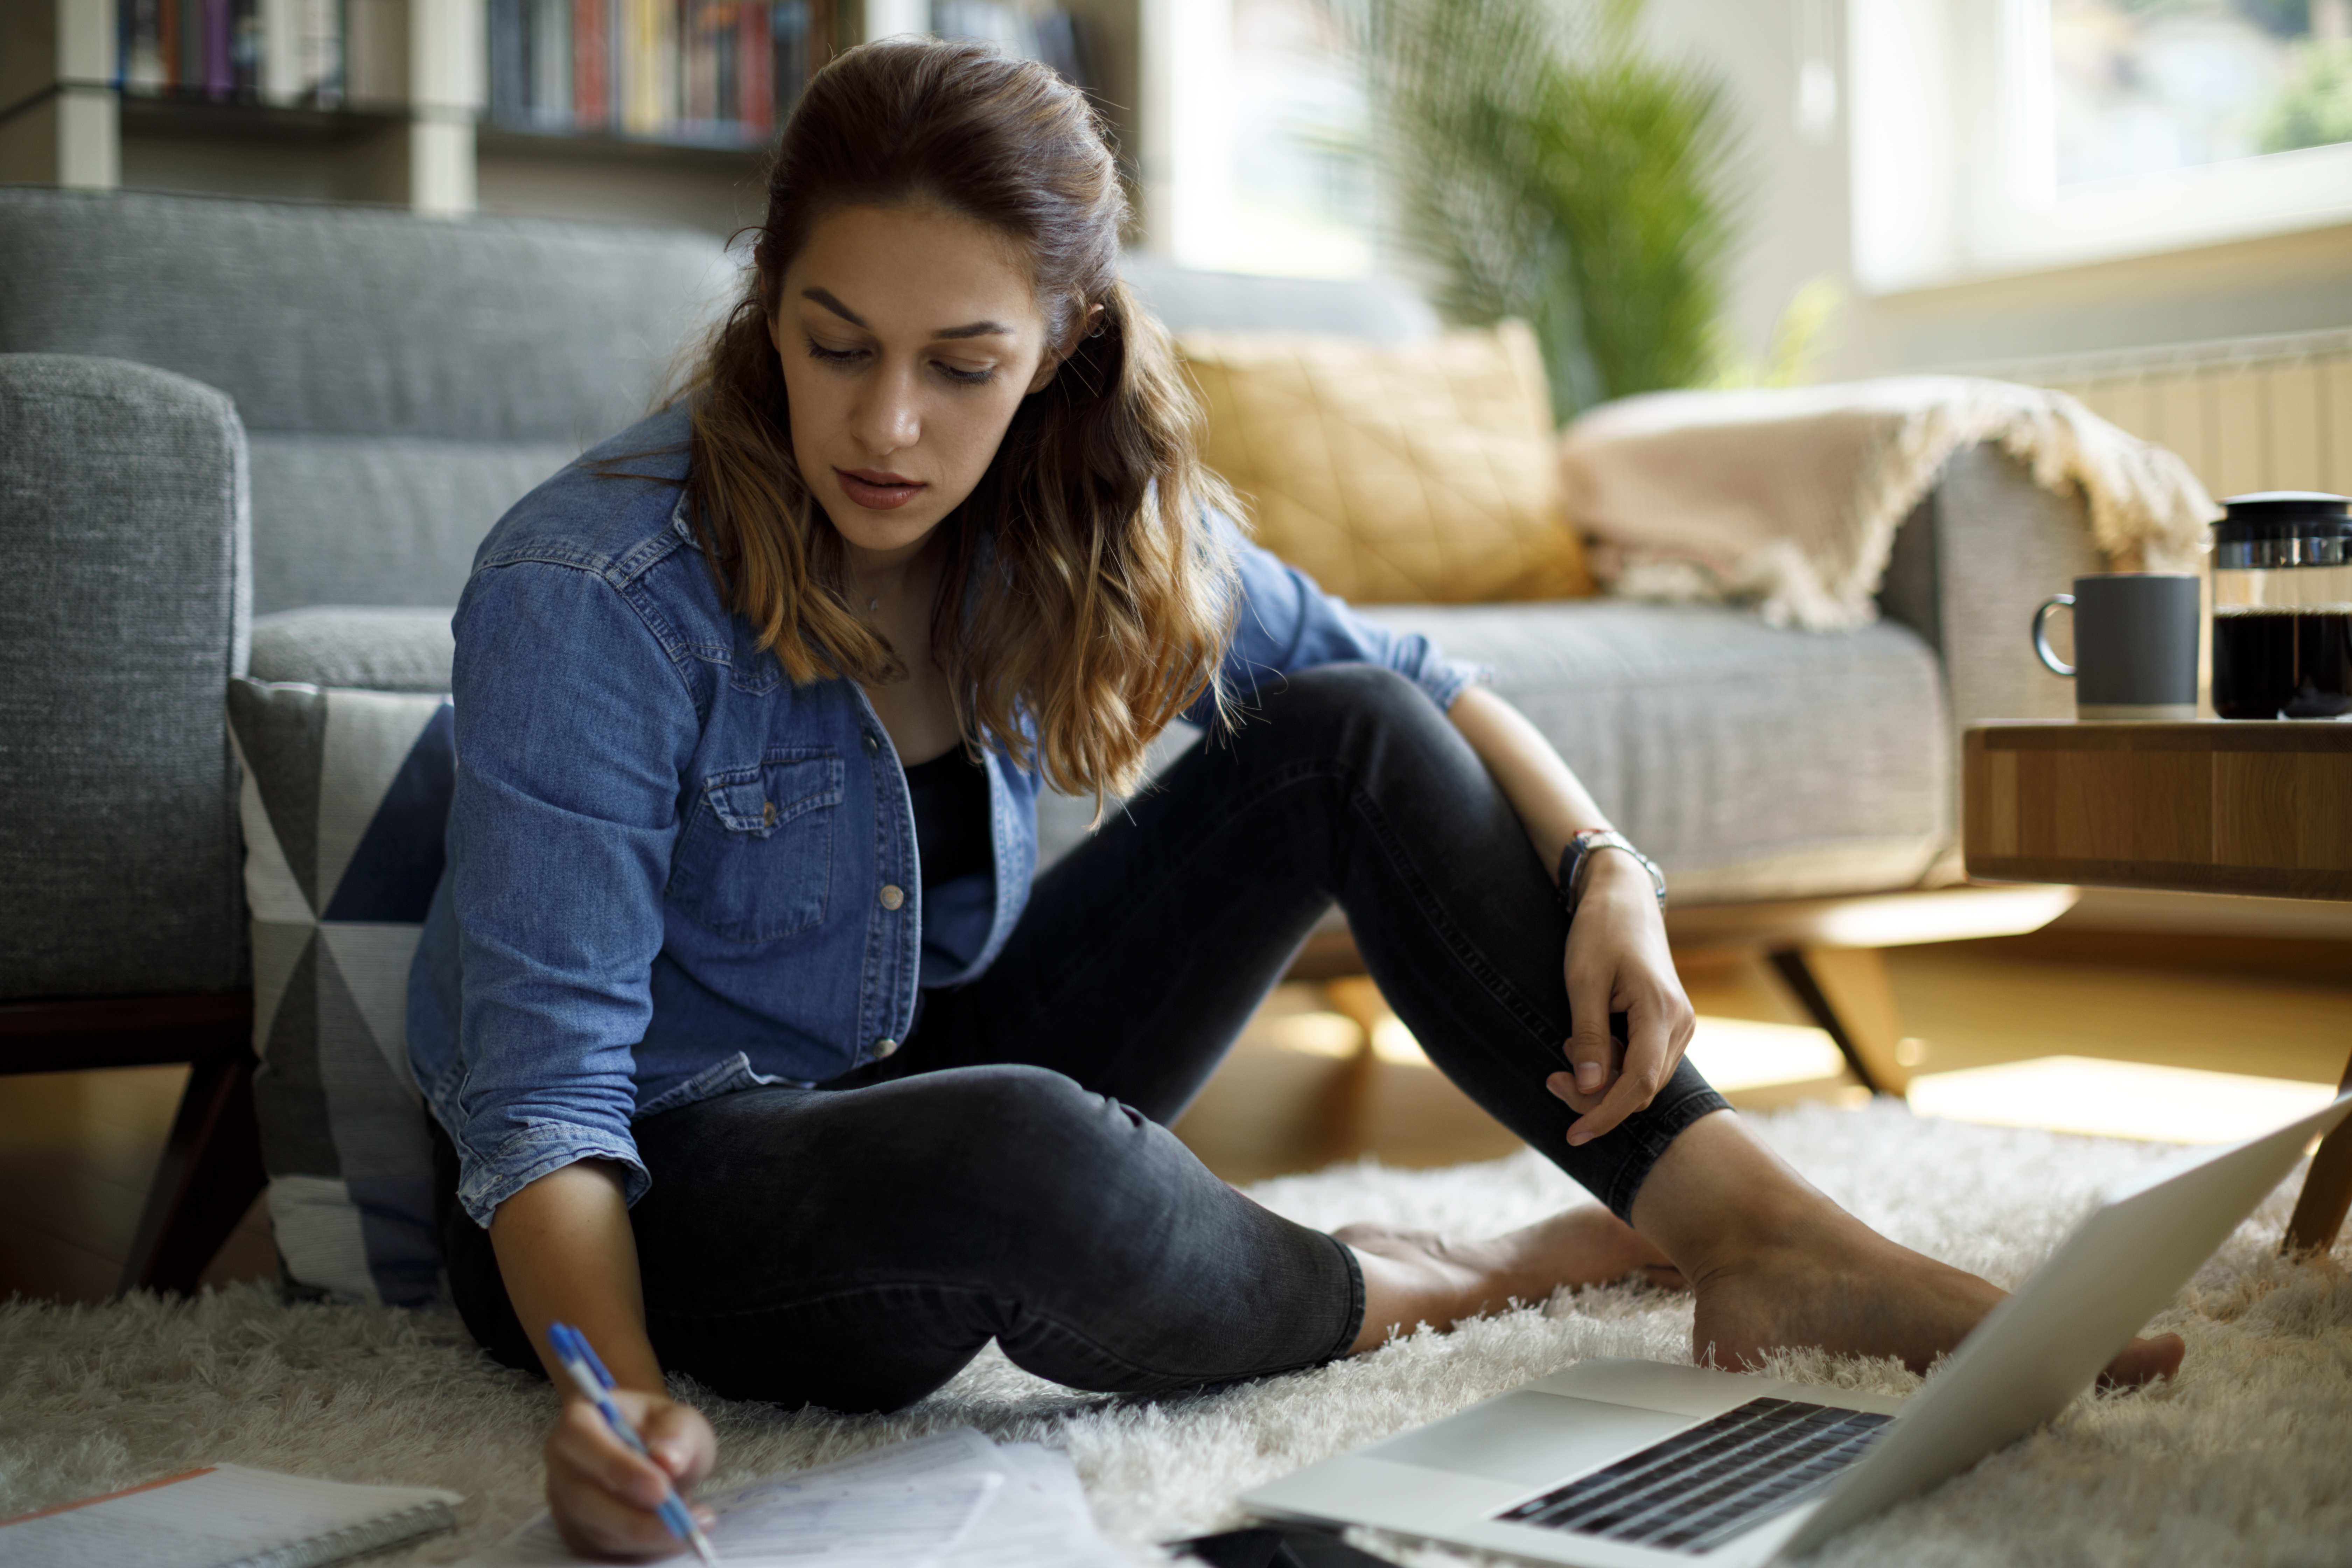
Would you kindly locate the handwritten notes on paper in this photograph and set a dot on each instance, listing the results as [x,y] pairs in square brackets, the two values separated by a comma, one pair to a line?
[953,1499]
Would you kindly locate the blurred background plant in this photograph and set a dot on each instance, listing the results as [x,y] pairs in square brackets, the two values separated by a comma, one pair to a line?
[2313,106]
[1539,165]
[1801,336]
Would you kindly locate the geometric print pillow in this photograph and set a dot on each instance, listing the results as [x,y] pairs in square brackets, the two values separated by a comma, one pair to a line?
[345,802]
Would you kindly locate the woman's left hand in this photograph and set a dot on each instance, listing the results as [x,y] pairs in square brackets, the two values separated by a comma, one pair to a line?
[1618,962]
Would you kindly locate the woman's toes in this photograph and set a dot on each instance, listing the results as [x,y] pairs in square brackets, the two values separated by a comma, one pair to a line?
[1449,1280]
[2145,1361]
[1589,1246]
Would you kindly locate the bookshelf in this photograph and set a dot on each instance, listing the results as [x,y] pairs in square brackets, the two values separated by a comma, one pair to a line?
[57,122]
[628,110]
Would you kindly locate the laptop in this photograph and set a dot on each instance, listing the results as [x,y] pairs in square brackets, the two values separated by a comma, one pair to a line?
[1625,1462]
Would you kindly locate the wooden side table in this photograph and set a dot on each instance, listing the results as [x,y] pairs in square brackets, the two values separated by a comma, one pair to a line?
[2215,806]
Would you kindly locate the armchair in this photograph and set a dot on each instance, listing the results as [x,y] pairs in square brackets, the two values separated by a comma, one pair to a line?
[210,410]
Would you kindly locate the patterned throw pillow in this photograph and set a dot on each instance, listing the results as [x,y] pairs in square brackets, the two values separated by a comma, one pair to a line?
[1394,473]
[345,800]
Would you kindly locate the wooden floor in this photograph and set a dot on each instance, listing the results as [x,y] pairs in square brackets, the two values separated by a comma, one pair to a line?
[77,1151]
[76,1148]
[1280,1105]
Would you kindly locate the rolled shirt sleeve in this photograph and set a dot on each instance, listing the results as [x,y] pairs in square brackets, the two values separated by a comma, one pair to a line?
[573,727]
[1288,624]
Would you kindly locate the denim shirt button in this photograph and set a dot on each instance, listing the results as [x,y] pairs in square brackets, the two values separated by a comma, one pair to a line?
[872,745]
[892,898]
[884,1047]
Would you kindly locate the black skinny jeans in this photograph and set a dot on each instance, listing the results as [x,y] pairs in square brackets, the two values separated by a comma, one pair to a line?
[1008,1173]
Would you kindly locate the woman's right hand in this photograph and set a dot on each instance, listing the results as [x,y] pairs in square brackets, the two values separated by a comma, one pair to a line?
[602,1496]
[568,1255]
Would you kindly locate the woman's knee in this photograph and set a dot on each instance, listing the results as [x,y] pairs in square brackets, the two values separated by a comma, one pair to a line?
[1381,727]
[1341,710]
[1350,691]
[1011,1136]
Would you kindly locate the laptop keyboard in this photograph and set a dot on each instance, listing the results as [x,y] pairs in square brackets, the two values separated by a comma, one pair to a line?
[1697,1489]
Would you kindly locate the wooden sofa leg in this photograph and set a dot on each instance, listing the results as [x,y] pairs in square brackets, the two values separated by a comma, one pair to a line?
[1846,992]
[208,1176]
[2327,1191]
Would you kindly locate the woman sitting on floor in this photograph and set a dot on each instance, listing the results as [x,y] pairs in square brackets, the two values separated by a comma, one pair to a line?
[756,1053]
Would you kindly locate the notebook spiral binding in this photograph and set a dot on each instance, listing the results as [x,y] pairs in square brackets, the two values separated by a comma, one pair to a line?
[358,1539]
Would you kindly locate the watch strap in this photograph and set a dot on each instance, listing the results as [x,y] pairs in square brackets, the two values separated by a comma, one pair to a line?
[1577,858]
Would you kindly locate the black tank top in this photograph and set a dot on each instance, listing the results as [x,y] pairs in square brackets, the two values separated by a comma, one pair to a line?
[951,832]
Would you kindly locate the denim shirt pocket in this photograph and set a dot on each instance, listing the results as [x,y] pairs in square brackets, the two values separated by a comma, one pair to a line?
[755,861]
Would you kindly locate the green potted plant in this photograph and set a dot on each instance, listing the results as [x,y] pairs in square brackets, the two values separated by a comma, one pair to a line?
[1541,164]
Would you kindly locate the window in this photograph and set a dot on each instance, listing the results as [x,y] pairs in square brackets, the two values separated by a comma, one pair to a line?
[2024,135]
[1267,164]
[2139,86]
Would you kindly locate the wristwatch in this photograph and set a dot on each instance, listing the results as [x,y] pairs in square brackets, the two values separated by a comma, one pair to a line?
[1576,858]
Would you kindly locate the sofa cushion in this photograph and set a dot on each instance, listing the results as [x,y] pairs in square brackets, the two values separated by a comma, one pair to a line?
[1413,472]
[345,800]
[1751,762]
[356,645]
[362,320]
[356,519]
[123,519]
[402,381]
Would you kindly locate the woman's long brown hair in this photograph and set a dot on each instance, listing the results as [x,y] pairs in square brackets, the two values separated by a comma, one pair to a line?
[1084,605]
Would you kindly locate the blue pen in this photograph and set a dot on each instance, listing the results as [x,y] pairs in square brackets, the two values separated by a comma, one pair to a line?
[572,1349]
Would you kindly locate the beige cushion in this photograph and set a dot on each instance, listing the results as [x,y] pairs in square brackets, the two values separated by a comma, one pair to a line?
[1415,473]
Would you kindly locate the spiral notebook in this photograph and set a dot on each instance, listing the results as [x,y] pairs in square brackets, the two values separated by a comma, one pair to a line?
[225,1516]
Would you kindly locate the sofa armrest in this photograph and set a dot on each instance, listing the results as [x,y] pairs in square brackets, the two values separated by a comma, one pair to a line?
[123,517]
[1969,566]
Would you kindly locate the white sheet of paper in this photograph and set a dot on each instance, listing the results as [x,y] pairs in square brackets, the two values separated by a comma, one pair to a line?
[950,1499]
[960,1449]
[912,1522]
[907,1524]
[1038,1519]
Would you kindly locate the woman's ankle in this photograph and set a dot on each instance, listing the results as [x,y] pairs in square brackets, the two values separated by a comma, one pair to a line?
[1717,1199]
[1400,1295]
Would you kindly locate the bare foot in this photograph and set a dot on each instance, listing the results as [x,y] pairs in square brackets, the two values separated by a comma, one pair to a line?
[1421,1276]
[1780,1267]
[1865,1296]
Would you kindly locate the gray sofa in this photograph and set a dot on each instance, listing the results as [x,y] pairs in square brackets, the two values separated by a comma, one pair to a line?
[217,416]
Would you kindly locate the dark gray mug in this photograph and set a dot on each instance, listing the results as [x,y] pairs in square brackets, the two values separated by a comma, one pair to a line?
[2135,644]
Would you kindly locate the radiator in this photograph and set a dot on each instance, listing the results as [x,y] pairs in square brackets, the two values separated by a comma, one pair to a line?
[2245,414]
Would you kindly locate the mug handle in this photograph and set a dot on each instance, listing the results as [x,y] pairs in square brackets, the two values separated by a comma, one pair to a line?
[2042,633]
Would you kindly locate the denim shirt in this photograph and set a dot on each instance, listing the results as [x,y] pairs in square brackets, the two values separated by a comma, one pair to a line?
[671,871]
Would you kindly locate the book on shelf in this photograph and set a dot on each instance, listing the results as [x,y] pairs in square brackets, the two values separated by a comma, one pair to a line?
[289,53]
[719,72]
[715,72]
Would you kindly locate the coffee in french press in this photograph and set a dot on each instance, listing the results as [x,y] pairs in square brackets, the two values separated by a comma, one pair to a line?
[2282,606]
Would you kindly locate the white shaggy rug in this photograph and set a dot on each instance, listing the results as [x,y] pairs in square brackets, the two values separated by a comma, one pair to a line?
[2247,1459]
